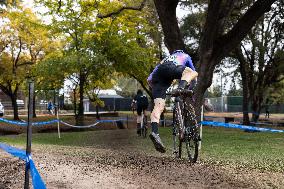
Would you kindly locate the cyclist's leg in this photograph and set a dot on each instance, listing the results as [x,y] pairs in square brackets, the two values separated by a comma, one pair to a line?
[159,105]
[139,119]
[155,117]
[161,82]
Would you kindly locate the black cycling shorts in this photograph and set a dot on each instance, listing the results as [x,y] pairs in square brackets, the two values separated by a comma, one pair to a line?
[163,78]
[140,109]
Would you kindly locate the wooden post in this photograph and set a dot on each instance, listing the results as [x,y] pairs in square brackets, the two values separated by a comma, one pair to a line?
[29,132]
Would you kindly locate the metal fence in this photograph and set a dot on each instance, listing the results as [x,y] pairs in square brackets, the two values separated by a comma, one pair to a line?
[234,104]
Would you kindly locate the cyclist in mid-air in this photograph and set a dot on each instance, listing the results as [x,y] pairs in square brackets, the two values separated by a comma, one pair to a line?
[178,65]
[141,102]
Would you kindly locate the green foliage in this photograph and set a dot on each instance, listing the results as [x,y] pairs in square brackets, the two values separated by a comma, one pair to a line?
[276,93]
[25,41]
[192,29]
[235,92]
[80,60]
[132,41]
[215,92]
[127,86]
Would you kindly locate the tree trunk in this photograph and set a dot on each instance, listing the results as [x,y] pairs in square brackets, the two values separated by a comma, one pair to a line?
[80,116]
[167,15]
[13,97]
[97,112]
[74,103]
[81,95]
[256,107]
[205,75]
[245,100]
[245,83]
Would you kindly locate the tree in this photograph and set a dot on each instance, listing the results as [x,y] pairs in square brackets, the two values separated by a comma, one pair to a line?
[134,39]
[216,42]
[24,39]
[83,60]
[261,59]
[215,92]
[219,36]
[127,87]
[276,92]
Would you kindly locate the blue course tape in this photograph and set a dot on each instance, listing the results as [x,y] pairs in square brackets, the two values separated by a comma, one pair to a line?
[49,122]
[13,122]
[45,122]
[108,121]
[37,181]
[243,127]
[14,151]
[25,123]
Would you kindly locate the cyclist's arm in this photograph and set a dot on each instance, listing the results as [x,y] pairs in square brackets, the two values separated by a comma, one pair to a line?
[189,63]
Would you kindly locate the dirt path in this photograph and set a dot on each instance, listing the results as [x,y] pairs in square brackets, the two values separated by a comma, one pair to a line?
[116,167]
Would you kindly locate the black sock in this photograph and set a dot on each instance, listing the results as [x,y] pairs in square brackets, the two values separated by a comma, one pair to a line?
[182,84]
[154,127]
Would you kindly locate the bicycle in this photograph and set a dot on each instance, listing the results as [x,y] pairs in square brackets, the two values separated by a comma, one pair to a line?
[185,127]
[143,125]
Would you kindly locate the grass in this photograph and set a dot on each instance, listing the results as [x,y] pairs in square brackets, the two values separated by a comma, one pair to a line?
[221,146]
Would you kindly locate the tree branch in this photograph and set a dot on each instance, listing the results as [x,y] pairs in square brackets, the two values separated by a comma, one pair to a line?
[59,5]
[18,55]
[244,25]
[25,63]
[142,84]
[139,8]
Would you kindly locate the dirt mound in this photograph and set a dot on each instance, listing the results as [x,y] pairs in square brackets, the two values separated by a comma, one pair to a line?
[114,163]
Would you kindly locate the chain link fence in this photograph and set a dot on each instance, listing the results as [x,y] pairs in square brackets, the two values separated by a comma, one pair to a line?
[234,104]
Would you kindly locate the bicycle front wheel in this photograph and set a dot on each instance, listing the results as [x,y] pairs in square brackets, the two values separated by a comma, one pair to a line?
[144,131]
[192,149]
[190,142]
[144,127]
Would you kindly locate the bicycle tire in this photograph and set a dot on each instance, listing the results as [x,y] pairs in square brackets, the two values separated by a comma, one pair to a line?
[144,127]
[176,133]
[144,131]
[175,141]
[191,148]
[191,136]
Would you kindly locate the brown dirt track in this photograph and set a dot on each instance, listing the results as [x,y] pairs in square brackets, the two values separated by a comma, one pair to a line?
[116,164]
